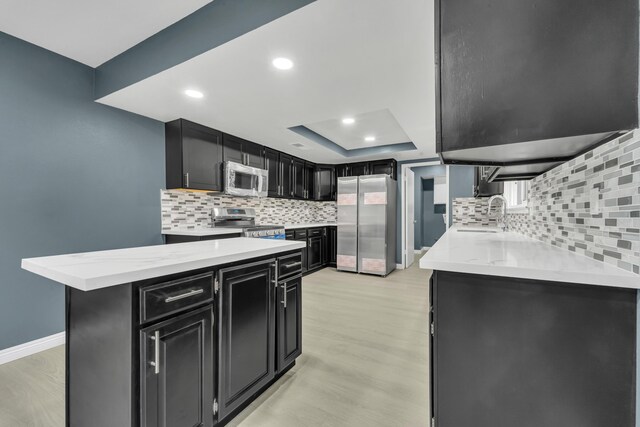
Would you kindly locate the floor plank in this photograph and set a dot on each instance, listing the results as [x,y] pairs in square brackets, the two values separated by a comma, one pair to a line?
[365,361]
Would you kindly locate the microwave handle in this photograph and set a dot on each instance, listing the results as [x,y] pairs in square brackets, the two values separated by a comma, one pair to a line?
[260,183]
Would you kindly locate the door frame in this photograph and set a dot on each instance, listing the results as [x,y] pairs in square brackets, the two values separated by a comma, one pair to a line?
[403,203]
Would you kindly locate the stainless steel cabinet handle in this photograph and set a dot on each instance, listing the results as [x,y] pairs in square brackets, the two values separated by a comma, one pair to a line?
[185,295]
[293,264]
[284,294]
[186,179]
[156,363]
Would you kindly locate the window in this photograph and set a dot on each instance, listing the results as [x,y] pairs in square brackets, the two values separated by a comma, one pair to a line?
[516,193]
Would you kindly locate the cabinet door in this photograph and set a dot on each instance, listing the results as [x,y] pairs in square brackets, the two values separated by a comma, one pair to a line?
[289,321]
[325,246]
[332,244]
[286,184]
[176,369]
[314,254]
[233,150]
[272,165]
[342,171]
[247,332]
[387,167]
[309,180]
[323,183]
[305,256]
[357,169]
[298,178]
[253,154]
[201,157]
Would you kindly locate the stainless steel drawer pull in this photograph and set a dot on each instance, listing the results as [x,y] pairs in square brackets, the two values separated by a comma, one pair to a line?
[156,363]
[185,295]
[293,264]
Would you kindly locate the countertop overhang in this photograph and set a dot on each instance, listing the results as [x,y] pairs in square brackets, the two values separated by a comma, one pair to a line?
[510,254]
[95,270]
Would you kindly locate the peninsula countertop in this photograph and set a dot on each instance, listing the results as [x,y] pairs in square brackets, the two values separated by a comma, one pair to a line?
[510,254]
[95,270]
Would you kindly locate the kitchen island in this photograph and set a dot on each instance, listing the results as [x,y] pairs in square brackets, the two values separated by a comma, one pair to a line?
[176,335]
[527,334]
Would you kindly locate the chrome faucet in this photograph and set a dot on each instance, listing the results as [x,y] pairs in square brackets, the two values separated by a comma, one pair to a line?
[502,219]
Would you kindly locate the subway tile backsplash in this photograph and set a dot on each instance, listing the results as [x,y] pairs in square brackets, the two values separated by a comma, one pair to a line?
[189,209]
[589,205]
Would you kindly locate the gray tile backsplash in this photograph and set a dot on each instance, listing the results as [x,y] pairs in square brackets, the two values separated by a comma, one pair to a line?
[589,205]
[190,209]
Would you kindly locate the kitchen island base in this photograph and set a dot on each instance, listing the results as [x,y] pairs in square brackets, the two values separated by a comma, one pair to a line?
[192,348]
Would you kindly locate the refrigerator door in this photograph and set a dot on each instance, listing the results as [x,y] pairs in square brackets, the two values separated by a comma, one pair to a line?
[347,200]
[376,224]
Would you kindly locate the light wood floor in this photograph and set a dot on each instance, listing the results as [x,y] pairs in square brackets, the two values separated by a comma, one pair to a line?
[364,363]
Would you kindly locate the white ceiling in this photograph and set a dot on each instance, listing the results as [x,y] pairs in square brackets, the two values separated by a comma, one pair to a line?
[351,57]
[91,31]
[380,124]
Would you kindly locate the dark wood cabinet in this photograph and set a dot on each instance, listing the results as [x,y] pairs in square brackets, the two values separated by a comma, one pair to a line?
[533,75]
[272,165]
[324,183]
[242,151]
[357,169]
[332,245]
[309,180]
[176,368]
[300,235]
[314,254]
[193,157]
[289,335]
[286,175]
[298,174]
[342,171]
[386,167]
[247,334]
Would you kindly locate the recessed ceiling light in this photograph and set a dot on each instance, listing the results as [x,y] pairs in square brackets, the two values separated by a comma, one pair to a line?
[369,138]
[282,63]
[193,93]
[348,120]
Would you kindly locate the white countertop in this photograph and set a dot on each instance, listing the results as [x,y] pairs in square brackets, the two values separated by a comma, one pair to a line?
[309,225]
[513,255]
[200,232]
[95,270]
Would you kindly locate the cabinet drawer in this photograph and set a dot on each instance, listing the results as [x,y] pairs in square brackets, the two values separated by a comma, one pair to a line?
[289,235]
[177,295]
[301,234]
[289,265]
[315,232]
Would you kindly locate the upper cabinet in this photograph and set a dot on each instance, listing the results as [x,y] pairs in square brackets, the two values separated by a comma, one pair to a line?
[533,82]
[242,151]
[384,167]
[193,156]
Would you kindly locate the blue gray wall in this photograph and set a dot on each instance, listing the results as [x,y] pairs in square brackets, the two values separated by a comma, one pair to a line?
[76,176]
[421,173]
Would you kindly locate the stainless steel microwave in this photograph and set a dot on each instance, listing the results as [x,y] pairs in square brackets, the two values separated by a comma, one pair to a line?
[241,180]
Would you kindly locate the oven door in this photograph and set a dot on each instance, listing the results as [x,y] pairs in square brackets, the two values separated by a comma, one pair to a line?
[241,180]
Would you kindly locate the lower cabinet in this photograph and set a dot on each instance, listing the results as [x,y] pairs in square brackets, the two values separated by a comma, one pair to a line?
[247,333]
[332,245]
[177,371]
[289,336]
[314,254]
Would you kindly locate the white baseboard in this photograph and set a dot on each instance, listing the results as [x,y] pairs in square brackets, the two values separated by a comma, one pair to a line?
[32,347]
[426,248]
[399,267]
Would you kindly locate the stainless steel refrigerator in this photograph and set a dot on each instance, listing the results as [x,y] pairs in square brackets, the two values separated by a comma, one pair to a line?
[367,224]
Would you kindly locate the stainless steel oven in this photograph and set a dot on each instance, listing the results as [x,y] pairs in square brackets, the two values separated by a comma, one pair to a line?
[241,180]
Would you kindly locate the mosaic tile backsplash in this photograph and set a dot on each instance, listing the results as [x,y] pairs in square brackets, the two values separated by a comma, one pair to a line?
[472,211]
[589,205]
[188,209]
